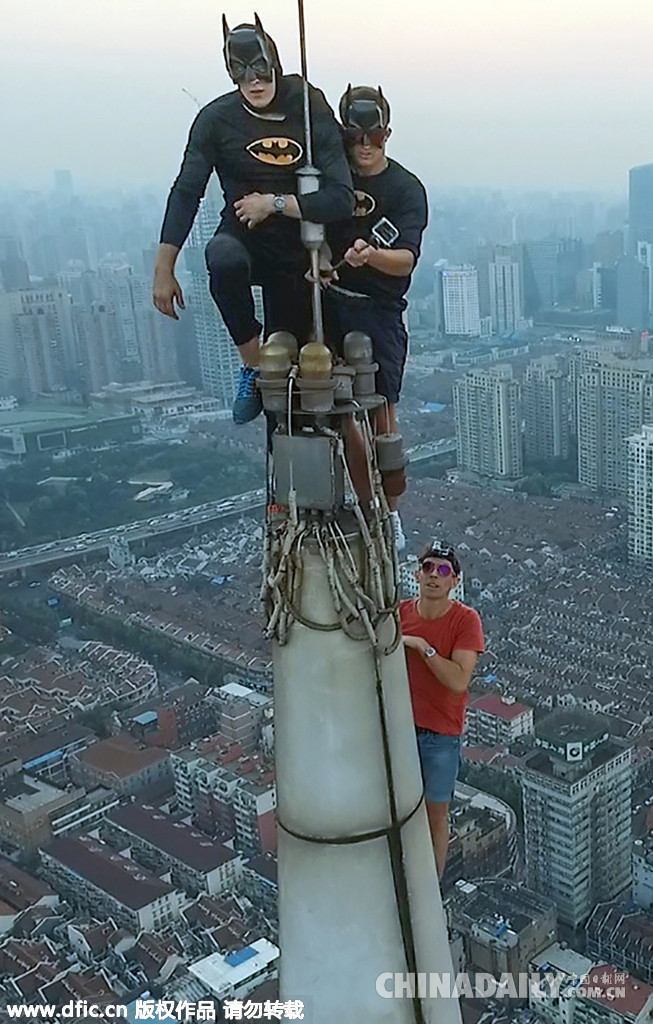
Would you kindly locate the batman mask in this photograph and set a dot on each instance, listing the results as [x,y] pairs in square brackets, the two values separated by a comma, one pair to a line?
[249,53]
[364,112]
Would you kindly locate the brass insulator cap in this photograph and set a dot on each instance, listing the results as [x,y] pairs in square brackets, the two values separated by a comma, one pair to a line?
[288,340]
[274,359]
[315,361]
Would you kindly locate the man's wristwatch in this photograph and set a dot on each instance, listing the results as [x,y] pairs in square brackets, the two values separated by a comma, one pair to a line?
[430,652]
[279,203]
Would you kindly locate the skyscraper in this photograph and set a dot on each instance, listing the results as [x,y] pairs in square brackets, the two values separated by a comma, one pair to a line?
[615,397]
[645,257]
[14,272]
[99,345]
[632,293]
[550,269]
[488,423]
[505,291]
[44,340]
[126,295]
[147,341]
[457,303]
[576,790]
[640,497]
[218,356]
[608,247]
[545,396]
[640,206]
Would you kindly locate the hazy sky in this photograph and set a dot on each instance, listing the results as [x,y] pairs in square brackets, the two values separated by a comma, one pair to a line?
[505,93]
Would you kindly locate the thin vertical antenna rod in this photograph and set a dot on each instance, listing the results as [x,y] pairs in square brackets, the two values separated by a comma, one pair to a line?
[307,108]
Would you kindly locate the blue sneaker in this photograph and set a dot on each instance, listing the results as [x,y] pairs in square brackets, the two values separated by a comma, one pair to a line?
[248,403]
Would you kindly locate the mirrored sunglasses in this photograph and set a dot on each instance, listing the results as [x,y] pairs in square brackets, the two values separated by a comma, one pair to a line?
[429,566]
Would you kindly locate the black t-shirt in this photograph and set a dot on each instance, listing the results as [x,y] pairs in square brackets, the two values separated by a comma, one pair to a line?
[397,194]
[252,152]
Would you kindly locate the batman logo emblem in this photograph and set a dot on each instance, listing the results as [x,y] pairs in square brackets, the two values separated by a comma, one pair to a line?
[364,205]
[280,152]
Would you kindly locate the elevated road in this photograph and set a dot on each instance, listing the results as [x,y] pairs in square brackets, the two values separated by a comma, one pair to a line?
[431,450]
[70,548]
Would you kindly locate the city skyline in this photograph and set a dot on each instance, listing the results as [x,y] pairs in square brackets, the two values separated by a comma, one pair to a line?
[544,97]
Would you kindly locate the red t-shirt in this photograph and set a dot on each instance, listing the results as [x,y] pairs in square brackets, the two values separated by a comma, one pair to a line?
[435,707]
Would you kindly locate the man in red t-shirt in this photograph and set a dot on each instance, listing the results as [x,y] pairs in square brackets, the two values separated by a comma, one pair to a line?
[443,639]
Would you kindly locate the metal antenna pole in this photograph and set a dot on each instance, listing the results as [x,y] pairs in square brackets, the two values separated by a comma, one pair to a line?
[307,106]
[312,234]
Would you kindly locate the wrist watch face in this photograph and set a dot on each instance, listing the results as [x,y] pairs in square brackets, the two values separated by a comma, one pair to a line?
[279,203]
[430,651]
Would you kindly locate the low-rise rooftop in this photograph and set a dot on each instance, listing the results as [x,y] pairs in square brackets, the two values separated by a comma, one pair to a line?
[121,756]
[118,876]
[495,704]
[174,838]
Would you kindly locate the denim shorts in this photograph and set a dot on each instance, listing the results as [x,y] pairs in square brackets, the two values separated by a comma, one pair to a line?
[439,757]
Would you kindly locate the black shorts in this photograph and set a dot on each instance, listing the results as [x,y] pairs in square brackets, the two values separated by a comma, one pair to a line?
[385,326]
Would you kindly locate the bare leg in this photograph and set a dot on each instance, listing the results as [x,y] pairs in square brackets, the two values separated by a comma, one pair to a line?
[249,351]
[357,461]
[438,815]
[385,420]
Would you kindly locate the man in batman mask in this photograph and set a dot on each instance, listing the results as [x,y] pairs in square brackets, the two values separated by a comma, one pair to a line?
[253,137]
[372,282]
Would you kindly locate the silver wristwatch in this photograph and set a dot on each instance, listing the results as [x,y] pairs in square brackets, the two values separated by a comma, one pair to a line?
[430,652]
[279,203]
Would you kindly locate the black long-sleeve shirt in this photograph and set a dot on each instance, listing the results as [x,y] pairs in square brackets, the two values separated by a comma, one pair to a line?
[253,153]
[399,195]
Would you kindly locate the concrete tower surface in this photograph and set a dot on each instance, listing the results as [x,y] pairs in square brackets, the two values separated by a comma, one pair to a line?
[359,897]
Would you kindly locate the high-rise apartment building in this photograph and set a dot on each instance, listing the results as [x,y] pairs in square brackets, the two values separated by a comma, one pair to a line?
[603,286]
[606,344]
[147,340]
[640,206]
[576,789]
[99,345]
[218,356]
[14,272]
[640,497]
[488,422]
[126,295]
[40,346]
[545,396]
[505,291]
[645,257]
[614,399]
[457,302]
[10,373]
